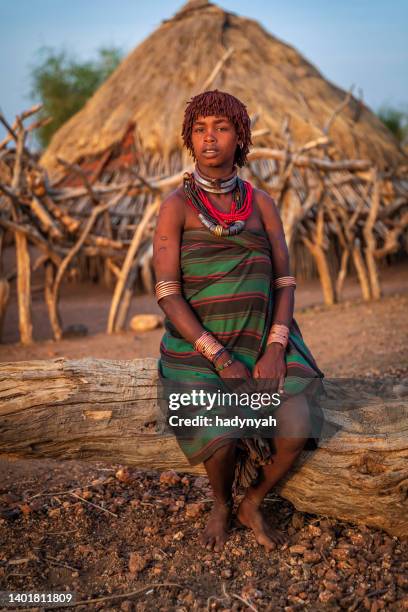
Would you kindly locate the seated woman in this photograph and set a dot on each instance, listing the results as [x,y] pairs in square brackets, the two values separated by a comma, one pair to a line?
[223,281]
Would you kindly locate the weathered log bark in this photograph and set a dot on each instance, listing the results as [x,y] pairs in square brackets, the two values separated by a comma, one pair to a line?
[89,408]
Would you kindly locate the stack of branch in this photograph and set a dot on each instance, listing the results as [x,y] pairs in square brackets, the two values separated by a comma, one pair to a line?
[328,205]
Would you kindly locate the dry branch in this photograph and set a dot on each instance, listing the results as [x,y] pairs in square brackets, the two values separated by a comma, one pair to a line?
[73,251]
[217,68]
[4,297]
[370,241]
[352,165]
[120,285]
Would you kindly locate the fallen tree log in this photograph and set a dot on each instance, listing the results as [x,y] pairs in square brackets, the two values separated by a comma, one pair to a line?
[108,410]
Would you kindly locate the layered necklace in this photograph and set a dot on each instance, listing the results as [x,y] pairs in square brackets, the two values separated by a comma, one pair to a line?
[218,222]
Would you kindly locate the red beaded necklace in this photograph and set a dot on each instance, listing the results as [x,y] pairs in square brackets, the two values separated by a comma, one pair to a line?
[226,218]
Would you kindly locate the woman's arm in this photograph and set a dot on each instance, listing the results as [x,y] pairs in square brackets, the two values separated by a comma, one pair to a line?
[272,364]
[284,297]
[166,261]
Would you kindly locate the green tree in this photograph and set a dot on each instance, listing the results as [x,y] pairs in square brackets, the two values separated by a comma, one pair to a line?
[63,84]
[396,121]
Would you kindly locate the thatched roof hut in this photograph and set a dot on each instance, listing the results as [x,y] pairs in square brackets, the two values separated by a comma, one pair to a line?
[144,99]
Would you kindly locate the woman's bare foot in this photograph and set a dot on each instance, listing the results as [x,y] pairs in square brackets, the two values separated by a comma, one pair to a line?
[249,515]
[215,533]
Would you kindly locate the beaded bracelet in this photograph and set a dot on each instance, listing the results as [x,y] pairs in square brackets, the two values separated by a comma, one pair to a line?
[165,288]
[284,281]
[207,345]
[219,353]
[279,333]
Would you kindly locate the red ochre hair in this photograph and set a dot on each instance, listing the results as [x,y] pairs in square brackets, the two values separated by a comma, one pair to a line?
[219,103]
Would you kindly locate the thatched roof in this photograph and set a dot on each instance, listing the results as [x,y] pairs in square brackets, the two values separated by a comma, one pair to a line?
[150,89]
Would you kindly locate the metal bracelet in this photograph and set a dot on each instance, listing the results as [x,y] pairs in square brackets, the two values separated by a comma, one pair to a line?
[224,365]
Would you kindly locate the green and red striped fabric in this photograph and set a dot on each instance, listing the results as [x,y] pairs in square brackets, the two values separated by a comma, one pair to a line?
[227,281]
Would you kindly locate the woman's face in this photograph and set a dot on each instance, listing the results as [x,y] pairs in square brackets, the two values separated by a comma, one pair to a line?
[214,141]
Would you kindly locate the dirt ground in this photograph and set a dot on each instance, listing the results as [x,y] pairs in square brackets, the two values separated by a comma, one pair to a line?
[131,536]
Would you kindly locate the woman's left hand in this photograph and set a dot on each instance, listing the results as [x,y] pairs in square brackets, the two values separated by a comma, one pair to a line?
[272,366]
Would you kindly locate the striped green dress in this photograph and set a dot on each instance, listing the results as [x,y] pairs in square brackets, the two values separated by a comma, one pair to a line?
[228,283]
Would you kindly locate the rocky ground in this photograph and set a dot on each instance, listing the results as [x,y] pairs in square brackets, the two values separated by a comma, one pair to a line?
[128,540]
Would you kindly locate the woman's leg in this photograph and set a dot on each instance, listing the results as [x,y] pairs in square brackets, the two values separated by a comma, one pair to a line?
[220,468]
[292,431]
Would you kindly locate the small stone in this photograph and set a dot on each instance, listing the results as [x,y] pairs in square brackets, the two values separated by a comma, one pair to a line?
[170,477]
[176,506]
[150,529]
[201,482]
[25,509]
[137,563]
[54,512]
[145,322]
[402,580]
[311,557]
[188,598]
[340,554]
[326,596]
[97,481]
[315,531]
[123,475]
[86,494]
[226,573]
[78,509]
[194,510]
[403,603]
[330,586]
[178,536]
[361,590]
[297,549]
[85,549]
[332,575]
[357,539]
[296,588]
[296,600]
[250,592]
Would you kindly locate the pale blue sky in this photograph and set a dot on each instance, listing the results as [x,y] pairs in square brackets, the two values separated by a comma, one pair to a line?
[351,41]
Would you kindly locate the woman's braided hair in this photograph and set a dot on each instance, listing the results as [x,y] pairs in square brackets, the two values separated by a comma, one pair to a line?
[219,103]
